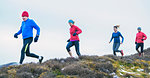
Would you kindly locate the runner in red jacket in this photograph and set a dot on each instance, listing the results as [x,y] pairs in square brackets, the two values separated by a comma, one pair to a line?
[139,41]
[74,38]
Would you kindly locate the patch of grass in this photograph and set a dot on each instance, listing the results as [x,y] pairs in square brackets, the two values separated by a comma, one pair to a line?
[58,72]
[130,70]
[12,73]
[83,67]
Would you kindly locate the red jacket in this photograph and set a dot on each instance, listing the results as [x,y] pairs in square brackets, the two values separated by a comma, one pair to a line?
[74,29]
[139,37]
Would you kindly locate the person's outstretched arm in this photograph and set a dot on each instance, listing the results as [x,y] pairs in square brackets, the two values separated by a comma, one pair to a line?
[121,37]
[36,27]
[145,37]
[79,31]
[111,38]
[20,31]
[136,40]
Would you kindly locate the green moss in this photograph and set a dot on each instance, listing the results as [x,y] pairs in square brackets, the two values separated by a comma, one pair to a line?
[130,70]
[42,74]
[121,68]
[58,72]
[63,76]
[12,73]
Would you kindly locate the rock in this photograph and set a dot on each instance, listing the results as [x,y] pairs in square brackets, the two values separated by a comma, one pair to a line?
[47,75]
[3,76]
[24,75]
[75,69]
[105,67]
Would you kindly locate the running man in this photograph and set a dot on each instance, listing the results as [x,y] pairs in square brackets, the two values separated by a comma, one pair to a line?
[74,38]
[139,41]
[116,36]
[27,33]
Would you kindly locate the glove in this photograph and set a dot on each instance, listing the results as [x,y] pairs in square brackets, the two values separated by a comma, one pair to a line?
[16,35]
[68,40]
[142,39]
[36,38]
[74,34]
[135,42]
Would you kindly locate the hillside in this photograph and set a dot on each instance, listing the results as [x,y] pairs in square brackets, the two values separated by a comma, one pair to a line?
[107,66]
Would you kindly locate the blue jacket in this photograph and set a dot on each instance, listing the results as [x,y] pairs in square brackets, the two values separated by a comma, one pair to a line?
[27,28]
[116,37]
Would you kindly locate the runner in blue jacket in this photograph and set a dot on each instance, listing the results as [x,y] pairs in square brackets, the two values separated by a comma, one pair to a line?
[27,34]
[116,36]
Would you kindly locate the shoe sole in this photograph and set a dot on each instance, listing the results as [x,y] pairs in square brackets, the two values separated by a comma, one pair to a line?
[41,60]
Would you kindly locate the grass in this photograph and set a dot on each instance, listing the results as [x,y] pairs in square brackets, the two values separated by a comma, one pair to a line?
[131,70]
[83,67]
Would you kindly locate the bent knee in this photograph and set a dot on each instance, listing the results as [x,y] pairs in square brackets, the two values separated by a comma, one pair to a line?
[68,49]
[27,54]
[115,50]
[136,48]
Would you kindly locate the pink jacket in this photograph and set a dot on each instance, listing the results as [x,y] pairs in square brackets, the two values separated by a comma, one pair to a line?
[139,37]
[74,29]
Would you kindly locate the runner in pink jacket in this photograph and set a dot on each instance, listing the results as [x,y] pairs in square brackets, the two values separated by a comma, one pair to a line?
[140,37]
[139,41]
[74,38]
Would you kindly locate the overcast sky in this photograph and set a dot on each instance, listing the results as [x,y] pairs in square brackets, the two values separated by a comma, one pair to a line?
[95,17]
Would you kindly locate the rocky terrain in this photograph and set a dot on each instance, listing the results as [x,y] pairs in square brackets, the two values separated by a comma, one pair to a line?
[107,66]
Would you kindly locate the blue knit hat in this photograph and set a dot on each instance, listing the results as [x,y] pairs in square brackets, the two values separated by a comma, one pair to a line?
[71,21]
[139,28]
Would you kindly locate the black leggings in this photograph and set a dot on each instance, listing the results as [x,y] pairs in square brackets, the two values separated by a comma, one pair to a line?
[140,45]
[26,49]
[73,43]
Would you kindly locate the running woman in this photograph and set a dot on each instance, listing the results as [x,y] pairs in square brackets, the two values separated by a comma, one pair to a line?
[27,33]
[139,41]
[74,38]
[116,36]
